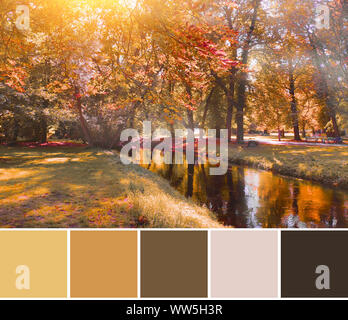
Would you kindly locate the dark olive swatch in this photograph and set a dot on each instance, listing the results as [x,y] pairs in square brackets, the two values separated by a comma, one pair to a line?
[174,264]
[314,264]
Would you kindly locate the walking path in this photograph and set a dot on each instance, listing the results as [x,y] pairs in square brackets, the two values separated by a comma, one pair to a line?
[294,143]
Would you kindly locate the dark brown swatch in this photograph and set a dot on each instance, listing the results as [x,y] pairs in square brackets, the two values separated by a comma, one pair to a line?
[303,253]
[174,264]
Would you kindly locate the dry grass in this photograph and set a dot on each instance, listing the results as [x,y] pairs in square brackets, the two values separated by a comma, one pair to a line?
[81,188]
[327,165]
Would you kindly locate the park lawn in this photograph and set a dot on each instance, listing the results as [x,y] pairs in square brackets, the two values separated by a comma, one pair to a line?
[327,165]
[77,187]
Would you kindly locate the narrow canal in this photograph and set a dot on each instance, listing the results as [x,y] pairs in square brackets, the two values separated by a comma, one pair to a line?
[250,198]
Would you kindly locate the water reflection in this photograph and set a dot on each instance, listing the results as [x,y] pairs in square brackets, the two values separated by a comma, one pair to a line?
[249,198]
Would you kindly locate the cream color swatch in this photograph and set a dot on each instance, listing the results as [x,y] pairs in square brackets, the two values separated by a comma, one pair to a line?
[244,264]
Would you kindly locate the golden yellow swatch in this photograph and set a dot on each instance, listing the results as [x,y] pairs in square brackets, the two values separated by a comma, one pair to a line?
[33,264]
[103,264]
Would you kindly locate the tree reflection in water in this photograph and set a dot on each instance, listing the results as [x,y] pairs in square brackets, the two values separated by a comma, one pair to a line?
[250,198]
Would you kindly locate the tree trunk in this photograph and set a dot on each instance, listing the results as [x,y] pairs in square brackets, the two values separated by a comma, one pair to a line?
[190,119]
[304,134]
[294,113]
[43,129]
[229,92]
[82,119]
[240,111]
[132,115]
[241,90]
[232,81]
[279,134]
[13,134]
[323,88]
[206,108]
[230,103]
[229,118]
[190,177]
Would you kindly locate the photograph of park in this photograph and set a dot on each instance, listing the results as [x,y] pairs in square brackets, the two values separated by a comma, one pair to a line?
[173,114]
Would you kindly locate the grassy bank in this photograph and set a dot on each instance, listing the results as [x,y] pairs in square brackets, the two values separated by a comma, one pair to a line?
[327,165]
[77,187]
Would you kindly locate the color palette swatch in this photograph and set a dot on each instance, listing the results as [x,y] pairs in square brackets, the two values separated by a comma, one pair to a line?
[33,264]
[103,264]
[173,264]
[244,264]
[314,264]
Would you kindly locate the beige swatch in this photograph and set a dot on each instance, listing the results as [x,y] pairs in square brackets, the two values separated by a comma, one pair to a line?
[244,264]
[33,264]
[103,264]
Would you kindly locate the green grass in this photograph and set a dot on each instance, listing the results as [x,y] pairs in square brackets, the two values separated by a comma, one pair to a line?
[327,165]
[82,188]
